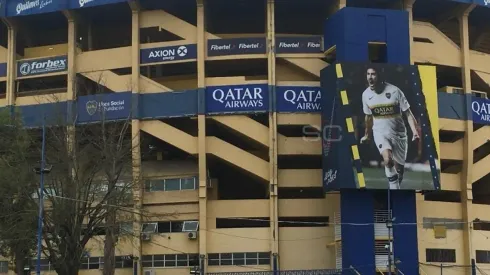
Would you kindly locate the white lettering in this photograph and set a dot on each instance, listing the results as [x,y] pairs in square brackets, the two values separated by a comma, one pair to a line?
[288,45]
[484,108]
[316,45]
[304,99]
[487,2]
[165,54]
[220,48]
[330,176]
[28,5]
[249,46]
[83,2]
[239,97]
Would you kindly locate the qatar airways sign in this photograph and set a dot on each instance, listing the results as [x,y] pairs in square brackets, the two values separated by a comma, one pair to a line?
[298,99]
[248,98]
[480,109]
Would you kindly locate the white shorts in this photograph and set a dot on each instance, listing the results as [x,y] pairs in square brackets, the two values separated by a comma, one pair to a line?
[394,142]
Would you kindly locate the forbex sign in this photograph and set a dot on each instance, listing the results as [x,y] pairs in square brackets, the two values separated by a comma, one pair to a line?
[237,98]
[42,66]
[297,99]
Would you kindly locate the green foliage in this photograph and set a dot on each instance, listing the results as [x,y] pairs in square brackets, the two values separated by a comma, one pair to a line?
[18,183]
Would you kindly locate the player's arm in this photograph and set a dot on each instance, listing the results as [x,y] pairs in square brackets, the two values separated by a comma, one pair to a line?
[412,122]
[414,126]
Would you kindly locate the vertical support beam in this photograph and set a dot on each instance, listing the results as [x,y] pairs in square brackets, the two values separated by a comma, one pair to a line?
[11,62]
[71,84]
[466,181]
[408,6]
[342,4]
[273,203]
[201,124]
[136,136]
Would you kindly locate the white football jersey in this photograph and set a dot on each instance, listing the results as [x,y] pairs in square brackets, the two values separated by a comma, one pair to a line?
[386,109]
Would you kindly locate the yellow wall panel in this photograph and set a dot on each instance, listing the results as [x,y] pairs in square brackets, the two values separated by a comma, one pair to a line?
[170,243]
[238,240]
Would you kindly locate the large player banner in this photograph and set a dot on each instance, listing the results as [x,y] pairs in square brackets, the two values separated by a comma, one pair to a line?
[389,125]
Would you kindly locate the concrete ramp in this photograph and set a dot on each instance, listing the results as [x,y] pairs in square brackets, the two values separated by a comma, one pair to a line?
[247,126]
[164,20]
[122,83]
[171,135]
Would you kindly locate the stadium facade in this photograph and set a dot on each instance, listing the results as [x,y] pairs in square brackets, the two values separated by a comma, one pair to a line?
[230,95]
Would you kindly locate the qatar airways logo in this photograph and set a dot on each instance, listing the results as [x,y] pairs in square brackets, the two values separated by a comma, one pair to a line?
[83,2]
[307,99]
[239,97]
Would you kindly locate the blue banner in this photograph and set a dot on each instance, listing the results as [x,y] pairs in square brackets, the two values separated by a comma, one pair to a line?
[76,4]
[297,99]
[480,108]
[99,107]
[3,69]
[235,46]
[237,98]
[310,44]
[167,54]
[27,7]
[42,66]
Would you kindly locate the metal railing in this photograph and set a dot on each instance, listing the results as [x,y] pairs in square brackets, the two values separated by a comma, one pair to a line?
[284,272]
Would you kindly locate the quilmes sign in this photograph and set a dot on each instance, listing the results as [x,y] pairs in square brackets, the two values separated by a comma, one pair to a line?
[309,44]
[167,54]
[296,99]
[74,4]
[235,46]
[237,98]
[104,107]
[480,108]
[25,7]
[42,66]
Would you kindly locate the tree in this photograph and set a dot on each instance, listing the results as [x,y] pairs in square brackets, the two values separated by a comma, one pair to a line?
[17,185]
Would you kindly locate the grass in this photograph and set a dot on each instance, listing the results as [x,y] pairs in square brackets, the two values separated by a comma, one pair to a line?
[376,179]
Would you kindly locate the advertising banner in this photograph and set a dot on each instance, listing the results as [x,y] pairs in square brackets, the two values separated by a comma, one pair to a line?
[480,108]
[167,54]
[47,65]
[309,44]
[76,4]
[249,98]
[112,106]
[390,123]
[27,7]
[236,46]
[298,99]
[3,69]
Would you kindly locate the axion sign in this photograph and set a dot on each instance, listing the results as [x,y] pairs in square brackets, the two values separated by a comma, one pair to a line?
[168,54]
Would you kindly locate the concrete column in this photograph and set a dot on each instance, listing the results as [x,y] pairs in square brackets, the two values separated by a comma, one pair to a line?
[408,6]
[466,181]
[11,62]
[273,201]
[138,185]
[201,124]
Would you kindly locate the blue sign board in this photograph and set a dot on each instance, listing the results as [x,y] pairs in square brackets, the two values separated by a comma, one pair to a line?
[237,98]
[3,69]
[27,7]
[480,109]
[99,107]
[234,46]
[76,4]
[167,54]
[297,99]
[309,44]
[42,66]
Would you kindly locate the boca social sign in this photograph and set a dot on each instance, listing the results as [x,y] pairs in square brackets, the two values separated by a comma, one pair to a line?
[237,98]
[220,47]
[167,54]
[104,107]
[311,44]
[295,99]
[481,110]
[42,66]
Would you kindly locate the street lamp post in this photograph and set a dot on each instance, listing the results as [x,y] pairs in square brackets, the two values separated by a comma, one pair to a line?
[389,225]
[43,169]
